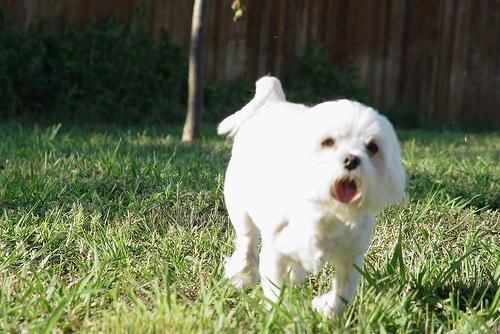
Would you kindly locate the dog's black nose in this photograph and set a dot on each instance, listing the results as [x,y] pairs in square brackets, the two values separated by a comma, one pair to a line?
[351,162]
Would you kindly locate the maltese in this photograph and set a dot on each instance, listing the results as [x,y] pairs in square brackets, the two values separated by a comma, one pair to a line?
[309,181]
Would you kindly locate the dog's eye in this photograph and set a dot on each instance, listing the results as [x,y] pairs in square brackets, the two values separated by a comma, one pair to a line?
[372,147]
[327,142]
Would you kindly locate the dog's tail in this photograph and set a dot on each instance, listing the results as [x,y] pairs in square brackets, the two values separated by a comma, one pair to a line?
[268,90]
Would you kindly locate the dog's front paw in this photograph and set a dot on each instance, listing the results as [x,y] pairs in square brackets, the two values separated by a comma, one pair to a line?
[242,273]
[327,305]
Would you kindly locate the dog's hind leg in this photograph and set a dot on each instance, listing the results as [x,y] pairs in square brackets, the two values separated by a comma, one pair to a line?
[241,267]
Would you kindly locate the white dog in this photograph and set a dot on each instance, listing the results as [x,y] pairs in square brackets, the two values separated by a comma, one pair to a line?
[310,180]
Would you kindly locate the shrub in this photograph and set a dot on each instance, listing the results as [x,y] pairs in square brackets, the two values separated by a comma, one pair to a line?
[107,71]
[312,80]
[315,80]
[223,100]
[110,71]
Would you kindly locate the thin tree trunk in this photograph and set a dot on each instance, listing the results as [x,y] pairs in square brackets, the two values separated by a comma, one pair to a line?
[195,81]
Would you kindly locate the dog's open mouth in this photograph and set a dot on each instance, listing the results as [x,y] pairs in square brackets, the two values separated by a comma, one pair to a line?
[345,190]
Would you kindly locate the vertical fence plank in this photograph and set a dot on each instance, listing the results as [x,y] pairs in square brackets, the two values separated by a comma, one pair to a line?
[378,55]
[252,38]
[492,110]
[222,41]
[265,37]
[440,85]
[300,27]
[477,97]
[211,44]
[459,71]
[395,29]
[339,54]
[361,26]
[279,37]
[234,57]
[289,43]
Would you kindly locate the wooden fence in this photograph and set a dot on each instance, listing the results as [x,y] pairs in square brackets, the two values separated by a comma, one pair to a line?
[441,55]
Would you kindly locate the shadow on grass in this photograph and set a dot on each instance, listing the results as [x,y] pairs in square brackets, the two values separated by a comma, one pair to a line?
[476,193]
[435,292]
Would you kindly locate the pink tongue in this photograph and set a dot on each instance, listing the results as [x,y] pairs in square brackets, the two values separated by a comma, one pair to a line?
[345,191]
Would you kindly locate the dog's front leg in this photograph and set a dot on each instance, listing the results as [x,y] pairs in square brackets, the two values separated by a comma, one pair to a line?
[344,284]
[272,268]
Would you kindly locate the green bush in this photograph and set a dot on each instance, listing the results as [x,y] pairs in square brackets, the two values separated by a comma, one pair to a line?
[107,71]
[223,100]
[114,72]
[314,79]
[404,114]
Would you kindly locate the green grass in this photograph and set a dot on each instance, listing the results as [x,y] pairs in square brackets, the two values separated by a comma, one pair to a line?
[124,230]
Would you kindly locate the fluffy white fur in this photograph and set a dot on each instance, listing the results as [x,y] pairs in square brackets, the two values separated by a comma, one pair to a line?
[290,178]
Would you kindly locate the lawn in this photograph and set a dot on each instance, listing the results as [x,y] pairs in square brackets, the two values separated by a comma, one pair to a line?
[106,229]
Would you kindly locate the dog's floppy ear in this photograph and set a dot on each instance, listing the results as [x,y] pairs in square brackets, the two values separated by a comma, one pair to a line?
[396,173]
[268,90]
[398,176]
